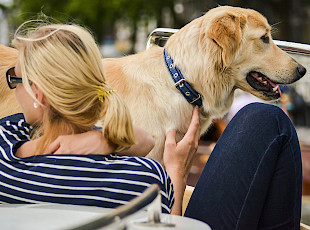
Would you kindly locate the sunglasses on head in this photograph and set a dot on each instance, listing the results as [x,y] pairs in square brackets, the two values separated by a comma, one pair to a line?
[11,78]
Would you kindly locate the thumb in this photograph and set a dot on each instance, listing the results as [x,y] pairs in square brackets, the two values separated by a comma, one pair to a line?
[170,137]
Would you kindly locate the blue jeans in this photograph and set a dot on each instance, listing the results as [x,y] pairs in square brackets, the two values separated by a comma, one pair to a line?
[253,178]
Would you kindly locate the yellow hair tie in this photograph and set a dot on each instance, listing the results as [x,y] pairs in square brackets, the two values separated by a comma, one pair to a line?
[103,94]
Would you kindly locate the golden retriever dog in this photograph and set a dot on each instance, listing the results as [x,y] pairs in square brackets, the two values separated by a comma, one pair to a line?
[226,49]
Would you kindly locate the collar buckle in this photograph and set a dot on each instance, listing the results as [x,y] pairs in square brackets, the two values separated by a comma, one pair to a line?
[179,83]
[189,93]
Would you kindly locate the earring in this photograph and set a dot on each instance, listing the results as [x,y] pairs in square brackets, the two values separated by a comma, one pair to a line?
[35,105]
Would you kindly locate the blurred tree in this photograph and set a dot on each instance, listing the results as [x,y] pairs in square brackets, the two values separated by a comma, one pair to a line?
[288,16]
[98,15]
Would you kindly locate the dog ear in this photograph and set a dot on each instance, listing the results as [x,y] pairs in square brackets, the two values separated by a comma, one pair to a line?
[226,31]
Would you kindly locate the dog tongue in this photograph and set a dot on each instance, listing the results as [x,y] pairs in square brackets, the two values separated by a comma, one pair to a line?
[271,83]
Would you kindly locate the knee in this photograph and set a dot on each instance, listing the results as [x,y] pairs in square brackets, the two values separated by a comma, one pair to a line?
[263,113]
[264,110]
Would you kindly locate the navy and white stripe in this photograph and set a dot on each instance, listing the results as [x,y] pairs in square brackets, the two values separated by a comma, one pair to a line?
[105,181]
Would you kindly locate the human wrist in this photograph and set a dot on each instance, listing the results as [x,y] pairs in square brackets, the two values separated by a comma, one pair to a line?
[177,176]
[105,146]
[179,185]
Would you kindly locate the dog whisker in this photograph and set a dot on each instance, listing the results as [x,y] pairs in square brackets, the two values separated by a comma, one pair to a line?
[274,29]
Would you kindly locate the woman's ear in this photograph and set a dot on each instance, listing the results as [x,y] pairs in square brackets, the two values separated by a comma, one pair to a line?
[38,94]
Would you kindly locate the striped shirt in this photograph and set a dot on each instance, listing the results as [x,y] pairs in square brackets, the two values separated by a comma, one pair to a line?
[98,180]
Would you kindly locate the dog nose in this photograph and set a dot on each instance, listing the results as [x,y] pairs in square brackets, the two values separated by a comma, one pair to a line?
[301,71]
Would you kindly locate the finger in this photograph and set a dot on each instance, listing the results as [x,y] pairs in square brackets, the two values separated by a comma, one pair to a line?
[53,147]
[60,151]
[196,117]
[197,134]
[194,125]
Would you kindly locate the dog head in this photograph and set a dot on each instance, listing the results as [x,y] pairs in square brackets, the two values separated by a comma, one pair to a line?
[240,42]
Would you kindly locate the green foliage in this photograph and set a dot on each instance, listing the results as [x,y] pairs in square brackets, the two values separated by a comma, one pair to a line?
[289,16]
[98,15]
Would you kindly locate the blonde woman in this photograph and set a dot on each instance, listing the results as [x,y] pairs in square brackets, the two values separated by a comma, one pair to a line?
[61,89]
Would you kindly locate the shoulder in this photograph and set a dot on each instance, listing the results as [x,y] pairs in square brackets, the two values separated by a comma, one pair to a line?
[126,167]
[13,118]
[145,164]
[14,131]
[15,122]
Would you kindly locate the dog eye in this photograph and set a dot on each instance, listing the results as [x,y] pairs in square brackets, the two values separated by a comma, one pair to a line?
[265,39]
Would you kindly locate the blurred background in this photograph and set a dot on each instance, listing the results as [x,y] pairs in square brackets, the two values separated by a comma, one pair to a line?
[122,26]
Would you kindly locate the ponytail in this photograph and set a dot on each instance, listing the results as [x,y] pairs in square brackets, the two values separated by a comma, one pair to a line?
[116,120]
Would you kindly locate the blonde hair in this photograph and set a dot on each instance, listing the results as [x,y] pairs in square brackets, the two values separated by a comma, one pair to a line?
[65,63]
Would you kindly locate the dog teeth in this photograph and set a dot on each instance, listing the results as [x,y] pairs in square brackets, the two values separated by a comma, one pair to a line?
[265,82]
[275,88]
[260,78]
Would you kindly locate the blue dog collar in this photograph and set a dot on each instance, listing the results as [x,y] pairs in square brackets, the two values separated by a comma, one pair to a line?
[191,95]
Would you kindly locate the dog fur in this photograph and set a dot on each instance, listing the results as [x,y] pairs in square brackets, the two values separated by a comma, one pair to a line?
[215,53]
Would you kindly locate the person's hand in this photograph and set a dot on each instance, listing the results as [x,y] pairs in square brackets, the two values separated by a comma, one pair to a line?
[91,142]
[178,157]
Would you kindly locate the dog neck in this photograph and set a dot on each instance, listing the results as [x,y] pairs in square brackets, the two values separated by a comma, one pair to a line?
[190,94]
